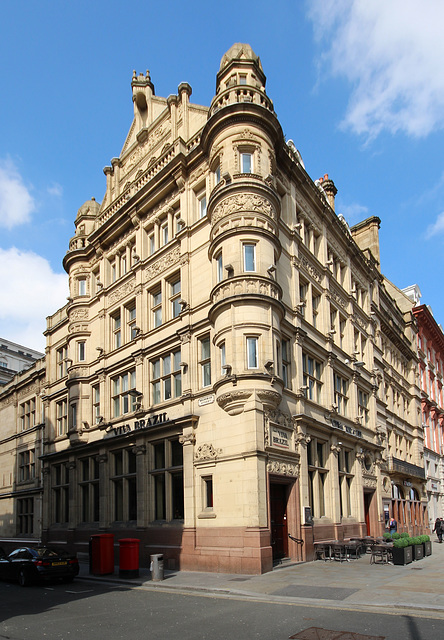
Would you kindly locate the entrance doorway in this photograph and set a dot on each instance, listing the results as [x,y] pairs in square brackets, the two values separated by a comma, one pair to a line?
[278,517]
[367,507]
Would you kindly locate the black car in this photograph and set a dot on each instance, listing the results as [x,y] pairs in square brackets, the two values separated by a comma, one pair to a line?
[33,564]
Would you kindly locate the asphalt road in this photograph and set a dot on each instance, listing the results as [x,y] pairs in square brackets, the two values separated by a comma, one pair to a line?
[95,611]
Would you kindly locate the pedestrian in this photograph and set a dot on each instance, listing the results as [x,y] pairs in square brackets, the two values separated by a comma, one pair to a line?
[438,528]
[393,525]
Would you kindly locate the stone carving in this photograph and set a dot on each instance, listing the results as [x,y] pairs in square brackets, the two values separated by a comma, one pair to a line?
[162,264]
[139,450]
[278,417]
[207,452]
[369,482]
[335,449]
[233,401]
[283,468]
[78,314]
[122,291]
[302,439]
[303,262]
[243,202]
[188,438]
[28,391]
[78,328]
[334,295]
[268,397]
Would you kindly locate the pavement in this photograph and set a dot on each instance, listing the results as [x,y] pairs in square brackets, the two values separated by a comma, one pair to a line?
[416,588]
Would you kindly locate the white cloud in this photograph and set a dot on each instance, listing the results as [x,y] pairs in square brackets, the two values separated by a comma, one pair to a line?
[30,292]
[437,227]
[16,203]
[56,190]
[392,54]
[353,213]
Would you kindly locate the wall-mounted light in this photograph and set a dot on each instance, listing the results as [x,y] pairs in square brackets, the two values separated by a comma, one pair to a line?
[227,368]
[100,350]
[229,269]
[358,364]
[269,366]
[183,365]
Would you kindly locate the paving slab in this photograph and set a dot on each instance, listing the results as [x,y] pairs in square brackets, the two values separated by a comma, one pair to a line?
[418,586]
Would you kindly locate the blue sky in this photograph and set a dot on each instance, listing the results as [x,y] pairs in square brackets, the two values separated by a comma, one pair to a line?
[358,86]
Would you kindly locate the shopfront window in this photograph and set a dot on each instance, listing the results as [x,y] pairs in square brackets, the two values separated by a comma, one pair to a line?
[167,475]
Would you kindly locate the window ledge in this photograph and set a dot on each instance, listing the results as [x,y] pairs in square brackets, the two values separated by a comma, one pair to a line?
[206,514]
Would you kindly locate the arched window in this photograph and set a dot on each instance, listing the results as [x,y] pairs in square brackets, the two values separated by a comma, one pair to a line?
[397,492]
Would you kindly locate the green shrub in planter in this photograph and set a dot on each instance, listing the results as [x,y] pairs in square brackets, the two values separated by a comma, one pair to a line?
[387,536]
[427,545]
[404,534]
[395,536]
[400,543]
[402,551]
[418,549]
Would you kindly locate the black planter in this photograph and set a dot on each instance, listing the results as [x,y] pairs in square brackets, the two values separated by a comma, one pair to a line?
[402,556]
[427,548]
[418,551]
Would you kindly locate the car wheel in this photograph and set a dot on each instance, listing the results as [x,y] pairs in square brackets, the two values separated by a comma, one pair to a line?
[23,578]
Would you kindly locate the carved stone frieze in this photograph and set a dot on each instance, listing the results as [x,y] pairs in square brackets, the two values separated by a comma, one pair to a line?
[33,389]
[78,314]
[303,263]
[207,452]
[7,401]
[77,328]
[269,397]
[370,482]
[283,468]
[278,417]
[122,291]
[336,297]
[242,286]
[250,202]
[166,261]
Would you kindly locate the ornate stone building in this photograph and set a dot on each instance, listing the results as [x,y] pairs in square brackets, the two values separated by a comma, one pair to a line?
[431,370]
[231,368]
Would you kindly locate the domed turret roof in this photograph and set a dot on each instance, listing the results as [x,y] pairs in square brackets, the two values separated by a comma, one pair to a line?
[239,51]
[89,208]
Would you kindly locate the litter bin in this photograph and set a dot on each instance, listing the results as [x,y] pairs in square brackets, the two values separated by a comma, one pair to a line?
[101,554]
[129,558]
[156,567]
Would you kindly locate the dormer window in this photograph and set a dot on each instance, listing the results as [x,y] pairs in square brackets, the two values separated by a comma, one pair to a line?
[242,78]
